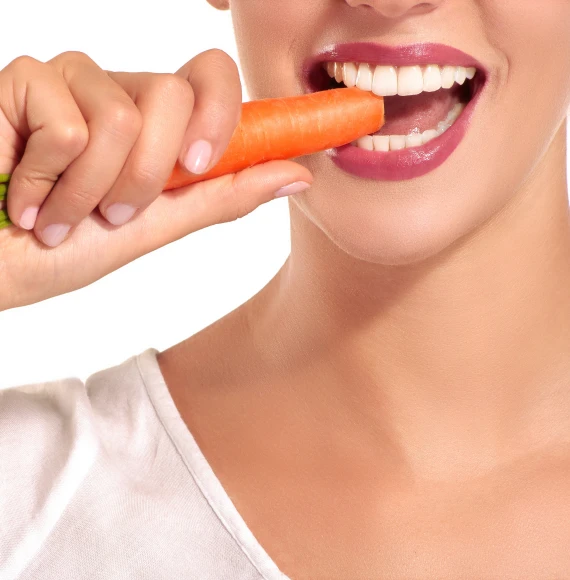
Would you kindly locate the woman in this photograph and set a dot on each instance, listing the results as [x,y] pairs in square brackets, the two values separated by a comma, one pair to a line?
[394,403]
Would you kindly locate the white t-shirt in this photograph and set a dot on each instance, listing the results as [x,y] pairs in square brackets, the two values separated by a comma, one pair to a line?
[103,481]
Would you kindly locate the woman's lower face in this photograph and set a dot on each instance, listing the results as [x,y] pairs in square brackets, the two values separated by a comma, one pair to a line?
[448,159]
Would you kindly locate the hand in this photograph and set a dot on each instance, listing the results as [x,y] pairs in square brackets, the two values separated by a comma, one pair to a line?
[90,151]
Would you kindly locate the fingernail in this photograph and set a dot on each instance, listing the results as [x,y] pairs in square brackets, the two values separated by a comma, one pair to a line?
[53,235]
[119,213]
[292,188]
[28,219]
[198,156]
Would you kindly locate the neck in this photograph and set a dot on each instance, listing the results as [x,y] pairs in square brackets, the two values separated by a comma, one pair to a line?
[474,341]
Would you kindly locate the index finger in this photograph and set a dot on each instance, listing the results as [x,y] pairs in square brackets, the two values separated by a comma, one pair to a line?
[214,78]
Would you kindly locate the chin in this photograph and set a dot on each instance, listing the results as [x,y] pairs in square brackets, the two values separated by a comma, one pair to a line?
[404,225]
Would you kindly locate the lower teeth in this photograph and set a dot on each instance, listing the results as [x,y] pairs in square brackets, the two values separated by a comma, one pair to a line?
[395,142]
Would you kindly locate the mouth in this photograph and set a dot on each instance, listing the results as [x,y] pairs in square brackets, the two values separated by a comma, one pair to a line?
[430,92]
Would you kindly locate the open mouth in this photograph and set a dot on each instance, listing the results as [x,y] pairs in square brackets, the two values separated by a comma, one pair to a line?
[431,92]
[421,101]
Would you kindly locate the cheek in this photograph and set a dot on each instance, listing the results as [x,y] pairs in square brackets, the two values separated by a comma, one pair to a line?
[535,39]
[525,43]
[530,97]
[272,36]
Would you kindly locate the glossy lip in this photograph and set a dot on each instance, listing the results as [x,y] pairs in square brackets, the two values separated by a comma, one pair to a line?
[404,163]
[313,73]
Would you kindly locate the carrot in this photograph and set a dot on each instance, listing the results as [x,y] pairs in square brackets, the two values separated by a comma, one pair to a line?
[283,128]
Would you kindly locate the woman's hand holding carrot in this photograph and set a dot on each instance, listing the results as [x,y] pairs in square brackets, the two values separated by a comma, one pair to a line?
[90,152]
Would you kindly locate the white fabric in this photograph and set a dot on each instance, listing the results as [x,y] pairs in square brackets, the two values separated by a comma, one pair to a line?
[103,481]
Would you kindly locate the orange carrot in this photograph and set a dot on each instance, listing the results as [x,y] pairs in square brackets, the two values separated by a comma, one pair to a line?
[289,127]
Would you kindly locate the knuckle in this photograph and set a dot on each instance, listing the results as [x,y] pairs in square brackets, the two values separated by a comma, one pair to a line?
[217,64]
[80,201]
[234,205]
[221,112]
[145,177]
[122,119]
[70,62]
[171,85]
[71,139]
[74,56]
[29,180]
[219,59]
[24,62]
[227,104]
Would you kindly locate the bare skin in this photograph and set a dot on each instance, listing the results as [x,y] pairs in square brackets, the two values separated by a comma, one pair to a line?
[343,466]
[395,403]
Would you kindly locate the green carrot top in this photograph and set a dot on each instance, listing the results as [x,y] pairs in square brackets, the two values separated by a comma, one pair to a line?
[4,182]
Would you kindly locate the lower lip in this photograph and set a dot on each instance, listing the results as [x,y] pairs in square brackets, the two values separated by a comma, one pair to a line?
[405,163]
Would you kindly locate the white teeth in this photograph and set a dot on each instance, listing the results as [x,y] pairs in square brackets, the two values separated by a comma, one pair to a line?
[432,78]
[364,77]
[442,127]
[349,73]
[414,139]
[366,142]
[338,76]
[410,80]
[385,81]
[454,113]
[388,81]
[447,76]
[460,75]
[381,142]
[397,142]
[429,135]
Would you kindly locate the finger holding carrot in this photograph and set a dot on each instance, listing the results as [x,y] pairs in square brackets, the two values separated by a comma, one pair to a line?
[85,146]
[190,117]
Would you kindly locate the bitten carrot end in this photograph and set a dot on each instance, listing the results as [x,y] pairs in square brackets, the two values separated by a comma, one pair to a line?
[285,128]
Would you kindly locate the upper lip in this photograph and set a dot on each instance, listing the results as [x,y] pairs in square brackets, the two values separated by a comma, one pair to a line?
[374,53]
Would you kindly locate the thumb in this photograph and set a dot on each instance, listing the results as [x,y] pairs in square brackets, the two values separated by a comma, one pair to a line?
[179,212]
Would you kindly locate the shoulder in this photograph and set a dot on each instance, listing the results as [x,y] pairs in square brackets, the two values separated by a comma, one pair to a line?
[35,408]
[37,417]
[52,433]
[43,426]
[37,411]
[46,448]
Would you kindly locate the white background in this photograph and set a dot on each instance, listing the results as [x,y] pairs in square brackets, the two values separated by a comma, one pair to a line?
[172,293]
[168,295]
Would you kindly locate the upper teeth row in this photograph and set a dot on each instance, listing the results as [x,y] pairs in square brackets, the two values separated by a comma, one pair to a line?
[387,81]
